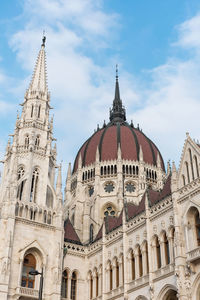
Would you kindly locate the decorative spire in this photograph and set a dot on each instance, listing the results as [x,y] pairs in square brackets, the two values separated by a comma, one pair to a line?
[39,79]
[118,112]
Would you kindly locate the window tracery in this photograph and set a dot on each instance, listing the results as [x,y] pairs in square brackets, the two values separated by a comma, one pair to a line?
[65,284]
[109,211]
[109,187]
[34,185]
[73,286]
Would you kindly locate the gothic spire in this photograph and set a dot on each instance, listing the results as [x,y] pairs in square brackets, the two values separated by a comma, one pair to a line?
[39,78]
[117,112]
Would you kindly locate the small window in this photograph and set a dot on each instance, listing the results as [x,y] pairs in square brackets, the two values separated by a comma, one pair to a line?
[91,190]
[130,187]
[109,211]
[65,284]
[109,187]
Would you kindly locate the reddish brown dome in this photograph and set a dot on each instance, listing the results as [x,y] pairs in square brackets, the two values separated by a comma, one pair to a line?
[118,132]
[107,140]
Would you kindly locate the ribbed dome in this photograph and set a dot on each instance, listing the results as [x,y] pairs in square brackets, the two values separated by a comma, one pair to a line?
[107,140]
[118,132]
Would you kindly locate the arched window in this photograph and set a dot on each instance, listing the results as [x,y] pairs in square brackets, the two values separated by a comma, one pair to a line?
[108,170]
[196,165]
[91,286]
[191,163]
[97,284]
[197,224]
[137,170]
[183,178]
[65,280]
[111,170]
[140,262]
[91,232]
[34,185]
[166,249]
[37,141]
[133,265]
[126,169]
[39,109]
[123,169]
[73,286]
[29,264]
[158,254]
[32,107]
[115,169]
[187,170]
[105,170]
[117,273]
[130,170]
[26,141]
[101,171]
[111,277]
[20,172]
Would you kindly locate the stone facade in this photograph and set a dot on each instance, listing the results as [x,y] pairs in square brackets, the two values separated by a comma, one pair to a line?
[126,229]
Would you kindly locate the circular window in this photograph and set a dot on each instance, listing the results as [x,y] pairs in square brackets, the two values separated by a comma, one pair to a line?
[91,190]
[130,187]
[109,211]
[109,187]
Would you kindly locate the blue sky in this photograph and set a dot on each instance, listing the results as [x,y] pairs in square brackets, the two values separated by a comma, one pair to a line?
[156,44]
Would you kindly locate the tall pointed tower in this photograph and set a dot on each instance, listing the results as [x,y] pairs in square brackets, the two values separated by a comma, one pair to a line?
[31,207]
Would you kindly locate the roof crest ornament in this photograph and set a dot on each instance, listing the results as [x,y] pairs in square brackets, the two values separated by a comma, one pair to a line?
[43,39]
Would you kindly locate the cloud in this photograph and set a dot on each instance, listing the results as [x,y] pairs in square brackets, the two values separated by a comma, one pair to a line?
[83,89]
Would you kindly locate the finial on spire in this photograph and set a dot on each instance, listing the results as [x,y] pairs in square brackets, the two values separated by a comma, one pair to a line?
[118,112]
[43,39]
[116,72]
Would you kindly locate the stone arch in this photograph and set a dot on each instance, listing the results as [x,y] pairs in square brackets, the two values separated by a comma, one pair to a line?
[196,288]
[168,292]
[191,218]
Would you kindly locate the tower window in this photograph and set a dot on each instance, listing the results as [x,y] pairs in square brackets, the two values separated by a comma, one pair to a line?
[39,109]
[91,232]
[20,172]
[34,185]
[29,264]
[37,141]
[32,107]
[26,141]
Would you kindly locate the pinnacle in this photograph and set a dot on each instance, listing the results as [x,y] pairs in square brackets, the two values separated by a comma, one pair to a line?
[39,78]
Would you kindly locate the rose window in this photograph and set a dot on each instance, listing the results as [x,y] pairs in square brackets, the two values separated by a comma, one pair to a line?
[109,187]
[130,187]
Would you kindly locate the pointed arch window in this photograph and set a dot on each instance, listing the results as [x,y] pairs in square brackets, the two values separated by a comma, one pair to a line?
[97,284]
[29,264]
[111,277]
[140,262]
[39,109]
[34,185]
[20,174]
[196,165]
[197,224]
[187,170]
[26,141]
[166,249]
[37,141]
[91,232]
[133,265]
[91,286]
[158,253]
[32,107]
[191,163]
[117,273]
[73,286]
[65,280]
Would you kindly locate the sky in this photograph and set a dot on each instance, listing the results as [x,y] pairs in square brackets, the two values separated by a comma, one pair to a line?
[156,45]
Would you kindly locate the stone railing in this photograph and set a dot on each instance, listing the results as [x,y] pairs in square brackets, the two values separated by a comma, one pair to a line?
[164,271]
[193,254]
[139,281]
[31,211]
[28,292]
[115,292]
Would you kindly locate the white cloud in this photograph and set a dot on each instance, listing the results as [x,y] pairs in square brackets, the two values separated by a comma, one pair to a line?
[82,90]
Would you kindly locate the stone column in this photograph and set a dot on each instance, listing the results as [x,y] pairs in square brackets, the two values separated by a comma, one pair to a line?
[171,249]
[94,285]
[144,261]
[162,250]
[137,271]
[100,283]
[114,277]
[120,272]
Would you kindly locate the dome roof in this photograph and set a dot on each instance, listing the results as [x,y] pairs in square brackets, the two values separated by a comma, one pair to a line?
[118,132]
[107,140]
